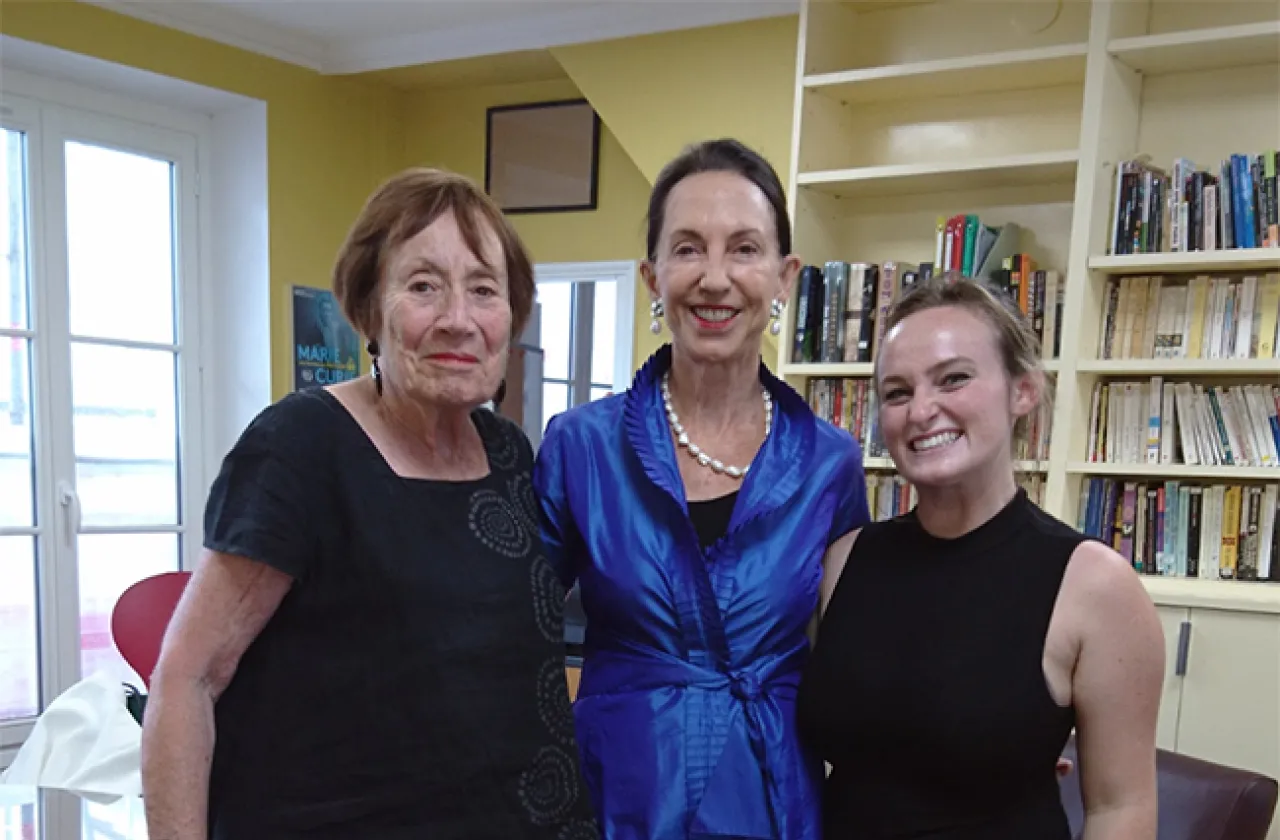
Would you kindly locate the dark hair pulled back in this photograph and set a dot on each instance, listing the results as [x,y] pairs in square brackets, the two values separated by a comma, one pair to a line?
[722,155]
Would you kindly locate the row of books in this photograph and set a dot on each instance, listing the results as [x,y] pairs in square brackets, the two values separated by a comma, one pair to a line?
[892,495]
[966,244]
[889,496]
[1187,207]
[1208,531]
[1197,317]
[1158,422]
[850,404]
[841,308]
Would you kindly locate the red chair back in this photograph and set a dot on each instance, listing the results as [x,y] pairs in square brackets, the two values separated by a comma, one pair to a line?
[141,616]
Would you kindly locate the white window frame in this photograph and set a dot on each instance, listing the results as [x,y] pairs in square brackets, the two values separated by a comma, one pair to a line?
[621,272]
[50,112]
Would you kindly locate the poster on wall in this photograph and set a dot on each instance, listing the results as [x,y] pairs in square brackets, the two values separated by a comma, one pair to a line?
[326,349]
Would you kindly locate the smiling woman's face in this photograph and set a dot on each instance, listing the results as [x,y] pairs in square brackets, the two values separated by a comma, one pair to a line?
[717,266]
[446,317]
[947,405]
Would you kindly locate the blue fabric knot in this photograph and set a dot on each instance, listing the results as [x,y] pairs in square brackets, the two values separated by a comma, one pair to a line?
[745,685]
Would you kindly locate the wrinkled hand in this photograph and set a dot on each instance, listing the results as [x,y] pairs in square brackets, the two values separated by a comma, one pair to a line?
[1064,767]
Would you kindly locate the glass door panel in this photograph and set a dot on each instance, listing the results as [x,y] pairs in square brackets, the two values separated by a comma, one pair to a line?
[122,277]
[126,435]
[120,254]
[14,293]
[17,474]
[19,624]
[19,640]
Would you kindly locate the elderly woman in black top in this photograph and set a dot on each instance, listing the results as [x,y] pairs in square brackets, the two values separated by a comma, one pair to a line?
[371,645]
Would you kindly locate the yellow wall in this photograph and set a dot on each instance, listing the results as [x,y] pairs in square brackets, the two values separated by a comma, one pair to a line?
[447,128]
[661,92]
[330,140]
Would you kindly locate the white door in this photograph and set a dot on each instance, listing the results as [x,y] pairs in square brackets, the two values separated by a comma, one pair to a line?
[99,422]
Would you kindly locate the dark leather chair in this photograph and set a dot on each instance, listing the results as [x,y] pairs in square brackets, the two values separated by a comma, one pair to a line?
[1199,800]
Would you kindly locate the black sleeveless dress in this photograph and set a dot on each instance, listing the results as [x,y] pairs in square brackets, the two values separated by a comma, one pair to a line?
[926,690]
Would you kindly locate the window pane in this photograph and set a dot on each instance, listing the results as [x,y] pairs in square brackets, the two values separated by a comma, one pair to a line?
[20,814]
[557,328]
[16,485]
[120,244]
[124,819]
[19,649]
[126,440]
[110,564]
[604,322]
[598,391]
[13,230]
[555,399]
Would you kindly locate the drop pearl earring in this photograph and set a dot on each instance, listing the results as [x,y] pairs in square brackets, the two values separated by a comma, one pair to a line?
[775,311]
[656,311]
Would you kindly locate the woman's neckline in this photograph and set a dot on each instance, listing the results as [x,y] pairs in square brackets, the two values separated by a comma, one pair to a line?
[994,530]
[385,465]
[715,499]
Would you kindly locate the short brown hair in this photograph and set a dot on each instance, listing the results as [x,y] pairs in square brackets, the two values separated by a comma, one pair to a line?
[1016,340]
[400,209]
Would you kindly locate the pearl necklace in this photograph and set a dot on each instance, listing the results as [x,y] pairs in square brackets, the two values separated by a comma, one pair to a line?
[682,437]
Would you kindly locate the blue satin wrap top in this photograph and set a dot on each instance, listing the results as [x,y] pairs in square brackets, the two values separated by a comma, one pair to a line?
[685,714]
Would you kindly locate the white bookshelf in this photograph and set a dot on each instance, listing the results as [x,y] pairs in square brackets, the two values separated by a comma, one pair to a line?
[1021,111]
[1202,49]
[1236,259]
[1007,70]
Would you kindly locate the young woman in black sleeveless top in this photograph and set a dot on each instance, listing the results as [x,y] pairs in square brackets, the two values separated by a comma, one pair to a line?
[962,642]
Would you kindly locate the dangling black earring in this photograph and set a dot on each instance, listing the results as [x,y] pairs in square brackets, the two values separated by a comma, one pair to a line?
[377,371]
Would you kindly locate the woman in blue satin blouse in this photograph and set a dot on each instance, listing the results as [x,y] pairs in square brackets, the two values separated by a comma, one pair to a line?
[693,510]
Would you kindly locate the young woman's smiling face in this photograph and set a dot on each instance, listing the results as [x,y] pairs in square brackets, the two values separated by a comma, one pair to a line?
[947,405]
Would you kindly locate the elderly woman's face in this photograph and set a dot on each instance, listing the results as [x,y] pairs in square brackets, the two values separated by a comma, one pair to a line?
[446,316]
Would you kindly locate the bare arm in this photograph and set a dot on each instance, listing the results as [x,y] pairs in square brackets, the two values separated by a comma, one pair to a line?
[225,606]
[1116,693]
[832,567]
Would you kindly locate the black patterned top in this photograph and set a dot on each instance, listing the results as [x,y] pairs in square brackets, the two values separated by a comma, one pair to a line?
[411,684]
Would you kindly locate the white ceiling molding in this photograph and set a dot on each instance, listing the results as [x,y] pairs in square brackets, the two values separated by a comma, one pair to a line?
[216,23]
[538,30]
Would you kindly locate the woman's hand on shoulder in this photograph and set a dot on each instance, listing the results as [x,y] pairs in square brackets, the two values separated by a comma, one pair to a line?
[1115,688]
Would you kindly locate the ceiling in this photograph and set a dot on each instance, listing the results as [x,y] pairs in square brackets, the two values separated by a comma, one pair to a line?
[356,36]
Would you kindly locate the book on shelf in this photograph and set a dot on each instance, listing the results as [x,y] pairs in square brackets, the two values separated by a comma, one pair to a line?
[842,308]
[1157,422]
[1184,207]
[890,495]
[1209,531]
[848,403]
[1191,317]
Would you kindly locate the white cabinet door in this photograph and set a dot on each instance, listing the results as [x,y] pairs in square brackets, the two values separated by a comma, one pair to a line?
[1172,620]
[1231,692]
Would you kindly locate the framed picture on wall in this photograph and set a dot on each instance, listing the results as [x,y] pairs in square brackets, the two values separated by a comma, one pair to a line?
[543,157]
